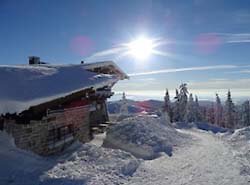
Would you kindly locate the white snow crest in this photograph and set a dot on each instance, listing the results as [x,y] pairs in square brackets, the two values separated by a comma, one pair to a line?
[92,165]
[144,136]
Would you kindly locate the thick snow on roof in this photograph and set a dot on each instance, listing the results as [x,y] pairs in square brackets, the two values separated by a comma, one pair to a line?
[106,64]
[28,85]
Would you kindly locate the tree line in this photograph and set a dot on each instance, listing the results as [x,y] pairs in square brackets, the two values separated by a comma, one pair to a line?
[186,108]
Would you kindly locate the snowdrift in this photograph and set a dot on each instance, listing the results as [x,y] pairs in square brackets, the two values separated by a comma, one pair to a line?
[242,134]
[94,165]
[80,164]
[143,136]
[240,140]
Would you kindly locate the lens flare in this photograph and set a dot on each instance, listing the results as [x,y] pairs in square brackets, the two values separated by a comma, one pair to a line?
[141,48]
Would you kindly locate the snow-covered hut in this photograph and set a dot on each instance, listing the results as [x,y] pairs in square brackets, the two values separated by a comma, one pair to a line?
[47,107]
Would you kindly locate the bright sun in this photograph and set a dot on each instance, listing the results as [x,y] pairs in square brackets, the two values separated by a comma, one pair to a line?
[141,48]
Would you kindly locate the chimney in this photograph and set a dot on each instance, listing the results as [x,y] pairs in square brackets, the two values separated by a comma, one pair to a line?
[34,60]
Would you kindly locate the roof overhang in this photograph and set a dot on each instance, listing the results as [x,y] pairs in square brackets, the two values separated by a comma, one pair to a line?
[106,67]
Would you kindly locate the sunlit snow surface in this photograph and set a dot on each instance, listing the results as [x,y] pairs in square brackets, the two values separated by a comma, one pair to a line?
[24,86]
[221,158]
[78,165]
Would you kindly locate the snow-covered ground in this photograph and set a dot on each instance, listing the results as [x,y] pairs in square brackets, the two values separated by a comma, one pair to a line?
[209,161]
[80,164]
[240,140]
[93,165]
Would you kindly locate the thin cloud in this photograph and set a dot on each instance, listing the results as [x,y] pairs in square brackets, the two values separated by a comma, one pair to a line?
[122,49]
[247,71]
[175,70]
[105,53]
[221,84]
[234,37]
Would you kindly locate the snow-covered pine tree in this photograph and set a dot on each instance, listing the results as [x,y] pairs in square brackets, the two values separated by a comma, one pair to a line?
[183,99]
[176,111]
[197,110]
[245,114]
[124,105]
[229,112]
[167,104]
[210,114]
[167,108]
[218,111]
[190,110]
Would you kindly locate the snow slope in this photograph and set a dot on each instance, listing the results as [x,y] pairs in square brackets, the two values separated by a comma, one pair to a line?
[208,161]
[144,136]
[80,164]
[240,140]
[93,165]
[25,86]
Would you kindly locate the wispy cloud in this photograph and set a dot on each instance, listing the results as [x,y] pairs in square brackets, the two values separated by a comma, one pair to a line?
[175,70]
[246,71]
[221,84]
[118,51]
[233,37]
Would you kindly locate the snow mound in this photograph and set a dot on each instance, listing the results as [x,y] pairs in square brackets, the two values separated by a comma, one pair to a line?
[19,167]
[240,140]
[80,164]
[93,165]
[144,136]
[242,134]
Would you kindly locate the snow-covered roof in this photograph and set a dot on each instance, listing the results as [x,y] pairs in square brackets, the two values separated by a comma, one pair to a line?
[29,85]
[107,64]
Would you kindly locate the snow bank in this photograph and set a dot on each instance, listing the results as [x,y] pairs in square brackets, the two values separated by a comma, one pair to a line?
[19,167]
[242,134]
[80,164]
[143,136]
[240,140]
[93,165]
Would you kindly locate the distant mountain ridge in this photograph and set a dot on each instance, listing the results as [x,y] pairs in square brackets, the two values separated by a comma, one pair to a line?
[140,106]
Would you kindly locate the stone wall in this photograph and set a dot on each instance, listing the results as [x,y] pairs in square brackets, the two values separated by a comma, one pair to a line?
[31,136]
[53,133]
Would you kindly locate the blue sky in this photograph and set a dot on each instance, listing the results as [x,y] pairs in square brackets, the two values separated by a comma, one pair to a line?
[214,34]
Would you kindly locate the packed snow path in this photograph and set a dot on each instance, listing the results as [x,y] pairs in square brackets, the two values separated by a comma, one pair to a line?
[208,161]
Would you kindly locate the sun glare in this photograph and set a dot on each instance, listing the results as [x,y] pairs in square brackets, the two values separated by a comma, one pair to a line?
[141,48]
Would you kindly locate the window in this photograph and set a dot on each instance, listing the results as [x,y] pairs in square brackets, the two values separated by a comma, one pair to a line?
[60,135]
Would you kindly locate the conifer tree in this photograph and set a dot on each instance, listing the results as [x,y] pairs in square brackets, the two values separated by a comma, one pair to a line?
[190,115]
[229,112]
[124,105]
[167,104]
[197,110]
[245,114]
[167,108]
[218,111]
[183,99]
[176,111]
[210,114]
